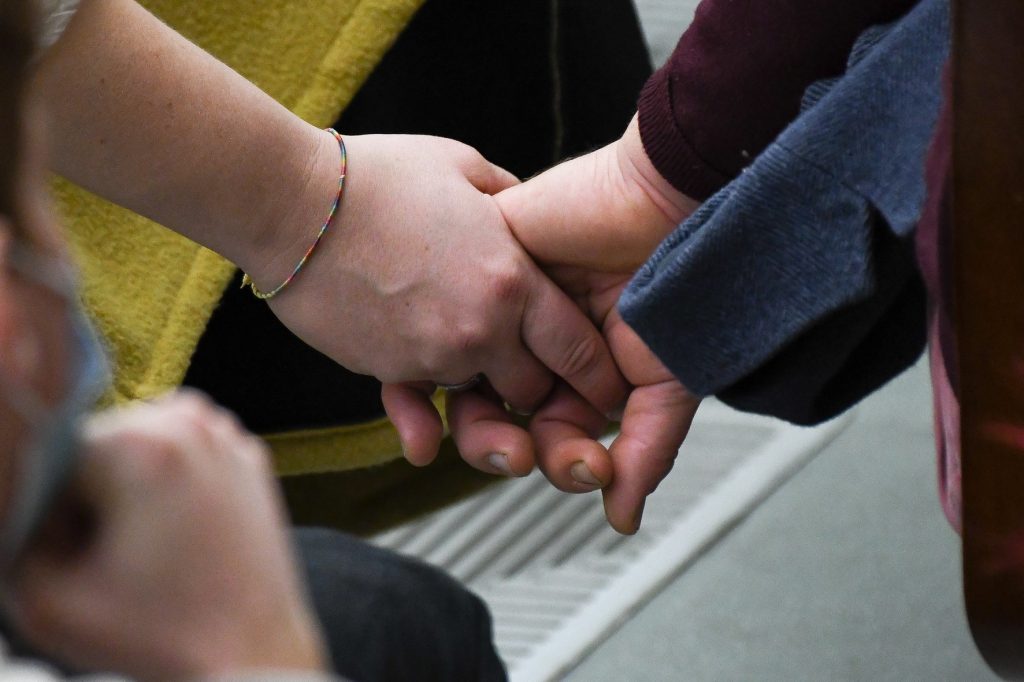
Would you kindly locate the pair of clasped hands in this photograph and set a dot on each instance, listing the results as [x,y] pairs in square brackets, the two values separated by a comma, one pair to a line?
[463,271]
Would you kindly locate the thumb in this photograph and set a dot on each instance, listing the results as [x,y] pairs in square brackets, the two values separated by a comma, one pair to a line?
[656,421]
[549,213]
[585,212]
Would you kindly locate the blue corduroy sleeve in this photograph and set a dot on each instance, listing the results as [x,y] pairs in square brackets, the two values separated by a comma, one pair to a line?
[793,291]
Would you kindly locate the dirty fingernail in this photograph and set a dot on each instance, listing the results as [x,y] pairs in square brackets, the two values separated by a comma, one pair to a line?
[582,474]
[519,411]
[500,462]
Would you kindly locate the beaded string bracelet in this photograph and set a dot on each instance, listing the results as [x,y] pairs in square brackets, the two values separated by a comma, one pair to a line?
[247,280]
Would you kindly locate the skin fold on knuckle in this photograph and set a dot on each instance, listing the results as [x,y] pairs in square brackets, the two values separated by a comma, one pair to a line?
[581,358]
[508,281]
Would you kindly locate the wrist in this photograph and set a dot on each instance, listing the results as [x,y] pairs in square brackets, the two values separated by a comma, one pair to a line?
[638,169]
[293,212]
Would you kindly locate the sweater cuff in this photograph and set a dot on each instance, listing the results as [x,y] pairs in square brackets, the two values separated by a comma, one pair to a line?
[668,148]
[752,270]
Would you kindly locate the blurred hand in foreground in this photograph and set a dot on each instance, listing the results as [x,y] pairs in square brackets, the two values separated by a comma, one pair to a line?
[169,558]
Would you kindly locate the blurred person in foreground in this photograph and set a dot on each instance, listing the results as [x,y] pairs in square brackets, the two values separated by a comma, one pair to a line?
[151,541]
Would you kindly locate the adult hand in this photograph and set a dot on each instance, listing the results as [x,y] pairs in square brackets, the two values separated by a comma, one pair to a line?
[593,221]
[418,278]
[169,560]
[420,282]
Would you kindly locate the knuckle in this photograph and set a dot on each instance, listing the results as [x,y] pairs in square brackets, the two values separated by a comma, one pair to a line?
[167,460]
[582,357]
[200,415]
[449,345]
[468,337]
[509,281]
[436,360]
[465,156]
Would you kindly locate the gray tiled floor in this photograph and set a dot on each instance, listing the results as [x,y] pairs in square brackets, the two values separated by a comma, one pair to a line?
[848,572]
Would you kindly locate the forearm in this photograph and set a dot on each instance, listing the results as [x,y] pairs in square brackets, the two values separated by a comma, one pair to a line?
[146,119]
[736,79]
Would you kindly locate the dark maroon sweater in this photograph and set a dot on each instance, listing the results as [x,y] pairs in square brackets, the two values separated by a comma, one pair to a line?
[736,78]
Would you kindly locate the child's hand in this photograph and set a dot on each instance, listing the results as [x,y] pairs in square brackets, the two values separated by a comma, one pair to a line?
[607,210]
[591,222]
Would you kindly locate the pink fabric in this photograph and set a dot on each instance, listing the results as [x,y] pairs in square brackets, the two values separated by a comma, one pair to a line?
[947,429]
[933,246]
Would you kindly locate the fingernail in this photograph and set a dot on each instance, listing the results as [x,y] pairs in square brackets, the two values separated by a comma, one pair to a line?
[582,474]
[518,411]
[500,462]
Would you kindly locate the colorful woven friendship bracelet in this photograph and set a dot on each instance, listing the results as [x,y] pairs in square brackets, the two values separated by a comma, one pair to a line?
[247,280]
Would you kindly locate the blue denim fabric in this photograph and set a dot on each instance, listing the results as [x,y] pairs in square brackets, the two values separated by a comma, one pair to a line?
[793,290]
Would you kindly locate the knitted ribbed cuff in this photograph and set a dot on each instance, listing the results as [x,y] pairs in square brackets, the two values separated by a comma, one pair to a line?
[667,146]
